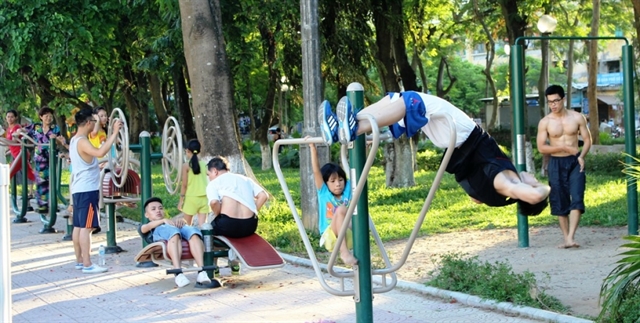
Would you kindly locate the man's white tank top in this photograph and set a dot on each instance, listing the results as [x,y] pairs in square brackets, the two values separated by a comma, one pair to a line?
[86,176]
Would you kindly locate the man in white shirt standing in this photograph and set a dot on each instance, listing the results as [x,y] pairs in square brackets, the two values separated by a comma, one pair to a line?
[85,187]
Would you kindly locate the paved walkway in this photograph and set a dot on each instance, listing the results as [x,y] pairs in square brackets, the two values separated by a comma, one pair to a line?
[47,288]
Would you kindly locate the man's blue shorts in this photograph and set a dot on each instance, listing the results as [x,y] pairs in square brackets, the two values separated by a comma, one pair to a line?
[567,184]
[85,209]
[165,232]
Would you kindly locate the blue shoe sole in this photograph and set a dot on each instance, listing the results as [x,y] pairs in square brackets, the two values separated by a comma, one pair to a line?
[347,120]
[328,123]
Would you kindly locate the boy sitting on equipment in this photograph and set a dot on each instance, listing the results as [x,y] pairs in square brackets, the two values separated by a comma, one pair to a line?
[173,231]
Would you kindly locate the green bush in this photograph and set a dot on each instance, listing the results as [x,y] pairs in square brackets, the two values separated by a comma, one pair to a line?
[628,310]
[252,154]
[491,281]
[607,139]
[604,164]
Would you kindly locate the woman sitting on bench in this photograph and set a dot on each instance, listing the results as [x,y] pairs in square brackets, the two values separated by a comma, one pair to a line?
[173,231]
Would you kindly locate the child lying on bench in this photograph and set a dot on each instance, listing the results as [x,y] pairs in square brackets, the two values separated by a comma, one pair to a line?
[173,231]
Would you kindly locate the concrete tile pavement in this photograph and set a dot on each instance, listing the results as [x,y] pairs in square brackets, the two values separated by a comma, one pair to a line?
[46,287]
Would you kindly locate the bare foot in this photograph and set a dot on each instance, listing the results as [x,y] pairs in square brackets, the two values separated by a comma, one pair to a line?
[529,179]
[568,245]
[348,258]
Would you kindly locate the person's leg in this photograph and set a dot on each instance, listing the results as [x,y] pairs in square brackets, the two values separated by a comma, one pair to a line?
[75,236]
[574,220]
[188,218]
[336,225]
[174,249]
[577,183]
[44,186]
[563,221]
[386,112]
[525,188]
[85,246]
[196,246]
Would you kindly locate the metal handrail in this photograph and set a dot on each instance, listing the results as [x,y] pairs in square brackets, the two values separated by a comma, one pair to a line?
[432,191]
[294,211]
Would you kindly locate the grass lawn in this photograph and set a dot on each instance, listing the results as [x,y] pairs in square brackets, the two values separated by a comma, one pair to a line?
[395,210]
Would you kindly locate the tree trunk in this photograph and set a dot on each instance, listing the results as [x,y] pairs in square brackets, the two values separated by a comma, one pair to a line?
[134,100]
[569,67]
[182,104]
[491,53]
[211,83]
[312,95]
[391,50]
[592,97]
[402,172]
[269,41]
[155,88]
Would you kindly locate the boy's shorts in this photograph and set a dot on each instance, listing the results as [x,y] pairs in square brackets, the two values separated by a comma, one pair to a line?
[165,232]
[476,163]
[195,204]
[85,209]
[415,116]
[328,239]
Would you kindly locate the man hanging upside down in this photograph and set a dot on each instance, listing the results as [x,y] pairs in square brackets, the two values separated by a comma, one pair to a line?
[480,167]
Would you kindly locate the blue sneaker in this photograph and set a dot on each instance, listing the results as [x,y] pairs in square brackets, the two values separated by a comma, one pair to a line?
[347,120]
[328,123]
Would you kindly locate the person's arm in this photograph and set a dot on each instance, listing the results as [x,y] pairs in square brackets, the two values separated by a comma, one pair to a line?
[261,199]
[586,136]
[147,227]
[317,175]
[86,146]
[185,183]
[96,127]
[214,198]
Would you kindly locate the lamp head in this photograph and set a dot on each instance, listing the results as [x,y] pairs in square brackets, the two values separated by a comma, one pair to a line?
[547,24]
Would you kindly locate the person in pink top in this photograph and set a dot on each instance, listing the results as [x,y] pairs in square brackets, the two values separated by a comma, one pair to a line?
[13,126]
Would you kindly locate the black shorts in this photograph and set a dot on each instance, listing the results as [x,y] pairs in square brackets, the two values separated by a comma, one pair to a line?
[85,209]
[476,163]
[223,225]
[567,184]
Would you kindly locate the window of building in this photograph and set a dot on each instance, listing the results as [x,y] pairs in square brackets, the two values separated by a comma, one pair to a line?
[613,66]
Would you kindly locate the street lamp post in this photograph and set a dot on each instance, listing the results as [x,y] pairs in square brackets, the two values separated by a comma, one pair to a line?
[546,26]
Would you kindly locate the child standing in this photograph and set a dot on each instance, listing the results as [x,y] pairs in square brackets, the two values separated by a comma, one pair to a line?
[193,195]
[99,133]
[334,196]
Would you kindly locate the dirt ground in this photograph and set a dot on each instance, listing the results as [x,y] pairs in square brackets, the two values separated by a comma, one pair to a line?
[573,275]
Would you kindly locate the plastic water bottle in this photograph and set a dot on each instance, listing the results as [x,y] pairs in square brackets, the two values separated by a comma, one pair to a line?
[101,253]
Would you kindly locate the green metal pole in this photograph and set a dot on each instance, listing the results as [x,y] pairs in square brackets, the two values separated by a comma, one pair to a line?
[630,138]
[112,246]
[59,184]
[21,214]
[361,247]
[53,194]
[145,174]
[145,179]
[518,107]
